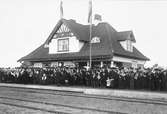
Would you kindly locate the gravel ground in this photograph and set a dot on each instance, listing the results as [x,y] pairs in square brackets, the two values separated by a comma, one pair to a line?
[102,104]
[6,109]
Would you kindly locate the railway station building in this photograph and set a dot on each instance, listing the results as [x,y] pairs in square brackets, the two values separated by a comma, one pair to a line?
[69,45]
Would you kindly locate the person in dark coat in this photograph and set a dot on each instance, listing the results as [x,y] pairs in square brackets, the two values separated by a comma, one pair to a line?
[116,79]
[94,79]
[25,77]
[87,78]
[136,76]
[165,80]
[98,79]
[131,75]
[103,78]
[122,79]
[58,77]
[153,80]
[84,76]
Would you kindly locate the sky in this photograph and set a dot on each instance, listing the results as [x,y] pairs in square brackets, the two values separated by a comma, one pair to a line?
[26,24]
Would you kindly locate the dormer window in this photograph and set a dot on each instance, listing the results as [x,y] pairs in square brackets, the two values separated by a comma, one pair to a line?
[127,45]
[95,40]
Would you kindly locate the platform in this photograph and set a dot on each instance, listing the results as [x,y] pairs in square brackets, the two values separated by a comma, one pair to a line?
[97,91]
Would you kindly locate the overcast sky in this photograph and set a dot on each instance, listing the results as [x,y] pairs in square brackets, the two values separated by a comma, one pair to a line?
[26,24]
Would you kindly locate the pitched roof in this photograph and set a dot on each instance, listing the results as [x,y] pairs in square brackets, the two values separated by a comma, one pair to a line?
[125,35]
[119,50]
[80,31]
[108,46]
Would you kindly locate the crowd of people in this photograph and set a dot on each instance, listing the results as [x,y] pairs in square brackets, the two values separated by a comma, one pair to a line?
[116,78]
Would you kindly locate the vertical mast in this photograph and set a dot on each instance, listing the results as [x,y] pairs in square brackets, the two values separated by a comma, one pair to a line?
[61,9]
[90,33]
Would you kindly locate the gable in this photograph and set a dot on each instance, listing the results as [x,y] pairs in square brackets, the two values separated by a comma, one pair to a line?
[64,41]
[69,27]
[63,31]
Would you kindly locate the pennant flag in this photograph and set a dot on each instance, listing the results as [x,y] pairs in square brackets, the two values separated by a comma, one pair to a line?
[90,12]
[98,17]
[61,9]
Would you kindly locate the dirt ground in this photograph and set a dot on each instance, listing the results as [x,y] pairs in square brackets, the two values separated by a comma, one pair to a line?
[74,101]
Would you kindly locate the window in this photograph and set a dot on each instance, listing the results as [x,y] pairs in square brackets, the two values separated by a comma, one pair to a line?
[63,45]
[38,65]
[95,40]
[129,46]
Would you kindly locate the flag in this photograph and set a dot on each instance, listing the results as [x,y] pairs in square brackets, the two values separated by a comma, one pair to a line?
[98,17]
[90,12]
[61,9]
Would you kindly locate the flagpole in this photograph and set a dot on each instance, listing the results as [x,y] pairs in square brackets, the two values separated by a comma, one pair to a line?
[90,54]
[61,9]
[90,33]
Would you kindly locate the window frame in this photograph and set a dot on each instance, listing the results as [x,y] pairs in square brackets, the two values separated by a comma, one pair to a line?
[129,46]
[58,43]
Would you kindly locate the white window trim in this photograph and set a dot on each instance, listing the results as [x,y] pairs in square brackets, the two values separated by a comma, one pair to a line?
[58,50]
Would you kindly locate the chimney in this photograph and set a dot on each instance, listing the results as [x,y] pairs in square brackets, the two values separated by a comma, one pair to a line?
[97,19]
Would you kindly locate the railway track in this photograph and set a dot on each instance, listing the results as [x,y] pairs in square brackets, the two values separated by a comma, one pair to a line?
[30,107]
[52,104]
[79,94]
[41,105]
